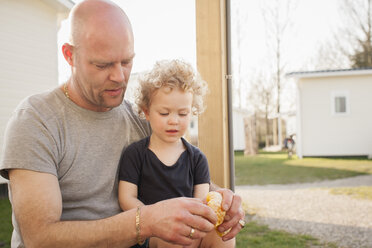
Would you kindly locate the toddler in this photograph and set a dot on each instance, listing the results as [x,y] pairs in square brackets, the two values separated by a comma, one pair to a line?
[164,165]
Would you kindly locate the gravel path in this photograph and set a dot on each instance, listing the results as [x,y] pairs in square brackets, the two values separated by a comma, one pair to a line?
[309,209]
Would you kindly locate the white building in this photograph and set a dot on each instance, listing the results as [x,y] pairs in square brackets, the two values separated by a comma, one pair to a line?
[334,115]
[239,135]
[28,54]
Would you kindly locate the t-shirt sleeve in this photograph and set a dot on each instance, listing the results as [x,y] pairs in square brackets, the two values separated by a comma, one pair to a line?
[29,144]
[201,171]
[130,164]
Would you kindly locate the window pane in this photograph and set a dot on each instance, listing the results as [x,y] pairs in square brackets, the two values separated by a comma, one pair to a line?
[340,104]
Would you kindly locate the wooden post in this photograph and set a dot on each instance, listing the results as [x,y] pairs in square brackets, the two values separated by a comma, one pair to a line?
[211,63]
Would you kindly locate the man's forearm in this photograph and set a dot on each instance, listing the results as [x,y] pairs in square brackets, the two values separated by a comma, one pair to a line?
[37,206]
[115,231]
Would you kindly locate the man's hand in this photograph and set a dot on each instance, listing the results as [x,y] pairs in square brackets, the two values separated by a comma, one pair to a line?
[231,203]
[172,220]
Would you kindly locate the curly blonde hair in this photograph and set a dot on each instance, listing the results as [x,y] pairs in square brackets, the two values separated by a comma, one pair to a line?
[172,74]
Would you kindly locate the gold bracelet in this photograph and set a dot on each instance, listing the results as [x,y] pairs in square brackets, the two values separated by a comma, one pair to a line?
[138,228]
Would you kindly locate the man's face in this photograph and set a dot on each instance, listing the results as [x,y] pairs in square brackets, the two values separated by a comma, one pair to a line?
[102,66]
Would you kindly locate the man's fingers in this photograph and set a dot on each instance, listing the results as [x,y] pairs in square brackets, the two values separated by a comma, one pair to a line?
[234,213]
[199,223]
[233,232]
[227,198]
[200,211]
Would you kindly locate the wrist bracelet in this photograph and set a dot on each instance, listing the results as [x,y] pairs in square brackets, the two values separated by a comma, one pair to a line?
[138,228]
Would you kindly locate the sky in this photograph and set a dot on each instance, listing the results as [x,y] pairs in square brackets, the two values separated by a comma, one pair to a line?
[165,29]
[313,23]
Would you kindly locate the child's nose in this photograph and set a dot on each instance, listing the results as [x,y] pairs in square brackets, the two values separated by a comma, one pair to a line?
[173,119]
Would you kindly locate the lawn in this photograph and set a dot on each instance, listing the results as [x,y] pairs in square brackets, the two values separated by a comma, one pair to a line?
[5,223]
[276,168]
[260,236]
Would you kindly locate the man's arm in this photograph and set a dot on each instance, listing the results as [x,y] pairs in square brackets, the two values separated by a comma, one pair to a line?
[37,204]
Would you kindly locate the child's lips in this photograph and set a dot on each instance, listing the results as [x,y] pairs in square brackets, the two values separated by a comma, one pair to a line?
[172,131]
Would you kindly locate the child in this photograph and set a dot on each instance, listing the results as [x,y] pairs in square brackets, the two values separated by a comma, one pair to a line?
[165,165]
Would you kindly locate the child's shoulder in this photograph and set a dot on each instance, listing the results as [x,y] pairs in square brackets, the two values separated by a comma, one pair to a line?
[193,150]
[138,145]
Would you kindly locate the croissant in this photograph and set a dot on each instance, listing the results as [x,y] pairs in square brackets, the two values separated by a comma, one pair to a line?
[214,201]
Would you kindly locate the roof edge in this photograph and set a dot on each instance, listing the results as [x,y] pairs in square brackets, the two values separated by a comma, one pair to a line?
[60,5]
[330,73]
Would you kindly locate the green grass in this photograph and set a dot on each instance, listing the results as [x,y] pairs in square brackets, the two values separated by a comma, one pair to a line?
[260,236]
[361,192]
[5,223]
[276,168]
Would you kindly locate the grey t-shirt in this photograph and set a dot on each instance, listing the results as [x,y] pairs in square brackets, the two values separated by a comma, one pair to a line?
[49,133]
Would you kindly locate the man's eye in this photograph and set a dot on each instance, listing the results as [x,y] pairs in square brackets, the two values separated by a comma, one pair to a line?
[125,63]
[101,66]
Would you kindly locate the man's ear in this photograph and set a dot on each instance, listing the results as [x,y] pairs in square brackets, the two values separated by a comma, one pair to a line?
[67,51]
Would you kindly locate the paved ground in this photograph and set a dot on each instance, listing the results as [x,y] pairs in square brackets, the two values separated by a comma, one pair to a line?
[309,209]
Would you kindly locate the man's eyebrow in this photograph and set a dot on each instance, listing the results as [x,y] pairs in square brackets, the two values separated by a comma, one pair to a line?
[99,61]
[129,59]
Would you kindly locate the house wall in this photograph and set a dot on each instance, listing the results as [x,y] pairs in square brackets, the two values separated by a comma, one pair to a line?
[325,134]
[238,129]
[28,54]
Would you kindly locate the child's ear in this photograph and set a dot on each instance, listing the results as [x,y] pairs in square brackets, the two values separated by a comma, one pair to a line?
[146,112]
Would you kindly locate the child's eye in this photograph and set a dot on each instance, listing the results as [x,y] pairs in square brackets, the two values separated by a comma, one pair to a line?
[183,114]
[163,114]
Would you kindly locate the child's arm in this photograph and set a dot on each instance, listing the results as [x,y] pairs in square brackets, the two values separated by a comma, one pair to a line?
[128,195]
[201,190]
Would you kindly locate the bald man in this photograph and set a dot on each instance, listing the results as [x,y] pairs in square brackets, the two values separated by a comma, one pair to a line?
[62,149]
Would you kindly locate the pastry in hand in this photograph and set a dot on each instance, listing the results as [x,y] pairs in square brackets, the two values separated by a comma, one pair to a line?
[214,201]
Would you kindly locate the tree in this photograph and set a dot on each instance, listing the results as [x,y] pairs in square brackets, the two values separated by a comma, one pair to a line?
[278,21]
[329,55]
[261,98]
[358,18]
[238,39]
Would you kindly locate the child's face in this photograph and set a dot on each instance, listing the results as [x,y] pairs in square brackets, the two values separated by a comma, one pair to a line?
[169,113]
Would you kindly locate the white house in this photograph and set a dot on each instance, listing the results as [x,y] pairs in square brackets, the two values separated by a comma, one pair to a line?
[28,51]
[334,113]
[239,138]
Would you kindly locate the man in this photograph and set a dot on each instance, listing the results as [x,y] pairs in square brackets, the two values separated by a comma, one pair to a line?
[62,148]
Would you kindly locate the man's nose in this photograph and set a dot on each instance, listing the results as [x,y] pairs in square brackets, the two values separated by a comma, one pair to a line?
[117,73]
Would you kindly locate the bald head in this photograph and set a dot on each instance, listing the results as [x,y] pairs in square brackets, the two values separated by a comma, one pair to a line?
[91,18]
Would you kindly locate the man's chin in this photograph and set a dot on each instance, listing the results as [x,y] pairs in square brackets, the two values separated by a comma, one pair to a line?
[113,103]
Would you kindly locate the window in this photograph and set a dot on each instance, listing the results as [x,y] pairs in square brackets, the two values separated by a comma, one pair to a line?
[340,103]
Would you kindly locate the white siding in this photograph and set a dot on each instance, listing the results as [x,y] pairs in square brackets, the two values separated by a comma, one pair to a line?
[238,129]
[28,54]
[325,134]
